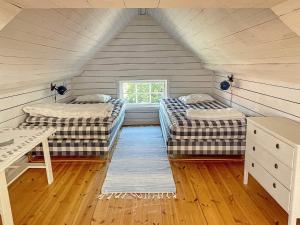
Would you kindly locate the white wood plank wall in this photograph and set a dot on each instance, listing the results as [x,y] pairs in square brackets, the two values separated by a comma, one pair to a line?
[261,98]
[12,102]
[143,51]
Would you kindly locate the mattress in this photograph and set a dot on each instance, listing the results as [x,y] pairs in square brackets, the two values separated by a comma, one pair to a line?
[209,147]
[206,147]
[67,147]
[182,128]
[81,147]
[80,128]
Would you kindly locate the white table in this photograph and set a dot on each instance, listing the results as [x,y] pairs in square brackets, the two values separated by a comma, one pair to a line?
[24,141]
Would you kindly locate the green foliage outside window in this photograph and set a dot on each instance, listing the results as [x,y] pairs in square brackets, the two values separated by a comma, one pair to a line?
[158,87]
[143,92]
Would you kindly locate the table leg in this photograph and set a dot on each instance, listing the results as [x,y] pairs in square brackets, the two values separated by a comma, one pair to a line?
[6,213]
[47,161]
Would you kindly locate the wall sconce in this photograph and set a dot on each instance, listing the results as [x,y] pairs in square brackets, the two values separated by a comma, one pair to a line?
[61,89]
[227,84]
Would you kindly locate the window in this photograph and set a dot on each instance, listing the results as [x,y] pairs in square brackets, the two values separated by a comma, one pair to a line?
[143,92]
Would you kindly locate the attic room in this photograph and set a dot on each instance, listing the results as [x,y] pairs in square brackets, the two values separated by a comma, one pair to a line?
[155,112]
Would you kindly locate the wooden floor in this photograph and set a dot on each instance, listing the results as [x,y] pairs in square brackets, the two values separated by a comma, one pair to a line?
[208,193]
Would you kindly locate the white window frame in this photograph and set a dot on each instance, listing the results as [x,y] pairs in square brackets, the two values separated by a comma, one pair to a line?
[121,93]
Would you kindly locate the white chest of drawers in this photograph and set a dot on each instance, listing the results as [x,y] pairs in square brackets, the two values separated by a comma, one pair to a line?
[273,159]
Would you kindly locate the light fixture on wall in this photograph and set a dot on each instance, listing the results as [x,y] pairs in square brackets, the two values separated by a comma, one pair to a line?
[227,84]
[61,89]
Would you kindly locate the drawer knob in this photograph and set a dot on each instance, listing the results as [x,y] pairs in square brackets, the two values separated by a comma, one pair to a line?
[274,185]
[277,146]
[253,148]
[254,131]
[252,164]
[276,166]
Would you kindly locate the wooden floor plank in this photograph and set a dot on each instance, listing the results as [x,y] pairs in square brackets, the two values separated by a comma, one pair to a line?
[214,193]
[71,199]
[189,210]
[273,213]
[208,193]
[207,201]
[250,209]
[237,213]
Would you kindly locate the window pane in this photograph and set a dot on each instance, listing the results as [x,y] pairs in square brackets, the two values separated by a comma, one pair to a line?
[143,92]
[129,87]
[155,98]
[143,98]
[130,98]
[158,87]
[143,87]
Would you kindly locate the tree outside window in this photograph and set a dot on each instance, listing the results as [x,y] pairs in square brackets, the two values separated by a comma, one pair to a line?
[143,92]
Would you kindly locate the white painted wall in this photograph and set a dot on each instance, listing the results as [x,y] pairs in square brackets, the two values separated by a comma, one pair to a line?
[143,51]
[12,102]
[261,98]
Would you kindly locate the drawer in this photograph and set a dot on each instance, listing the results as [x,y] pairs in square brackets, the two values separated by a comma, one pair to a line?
[276,168]
[281,150]
[270,184]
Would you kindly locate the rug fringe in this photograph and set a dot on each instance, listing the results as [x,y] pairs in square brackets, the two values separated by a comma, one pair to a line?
[122,195]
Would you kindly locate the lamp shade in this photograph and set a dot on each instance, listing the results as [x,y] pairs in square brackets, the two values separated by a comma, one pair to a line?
[224,85]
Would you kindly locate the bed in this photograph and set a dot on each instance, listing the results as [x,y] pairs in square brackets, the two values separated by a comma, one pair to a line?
[84,137]
[200,137]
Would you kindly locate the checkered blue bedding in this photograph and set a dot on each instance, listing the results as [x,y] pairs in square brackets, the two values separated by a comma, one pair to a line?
[81,128]
[206,147]
[80,137]
[180,127]
[69,147]
[201,137]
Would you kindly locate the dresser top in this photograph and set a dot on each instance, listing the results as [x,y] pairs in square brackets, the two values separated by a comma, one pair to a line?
[283,128]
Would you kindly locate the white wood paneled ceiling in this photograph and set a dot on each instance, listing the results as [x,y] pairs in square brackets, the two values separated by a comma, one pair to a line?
[7,13]
[289,13]
[44,45]
[144,3]
[246,42]
[246,37]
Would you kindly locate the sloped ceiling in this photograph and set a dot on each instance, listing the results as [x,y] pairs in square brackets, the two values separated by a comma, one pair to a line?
[289,13]
[7,13]
[246,42]
[229,36]
[41,45]
[145,3]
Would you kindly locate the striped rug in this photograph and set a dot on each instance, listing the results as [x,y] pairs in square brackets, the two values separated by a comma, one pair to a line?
[139,166]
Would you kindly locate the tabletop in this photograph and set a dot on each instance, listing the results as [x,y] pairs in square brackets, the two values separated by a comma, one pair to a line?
[25,139]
